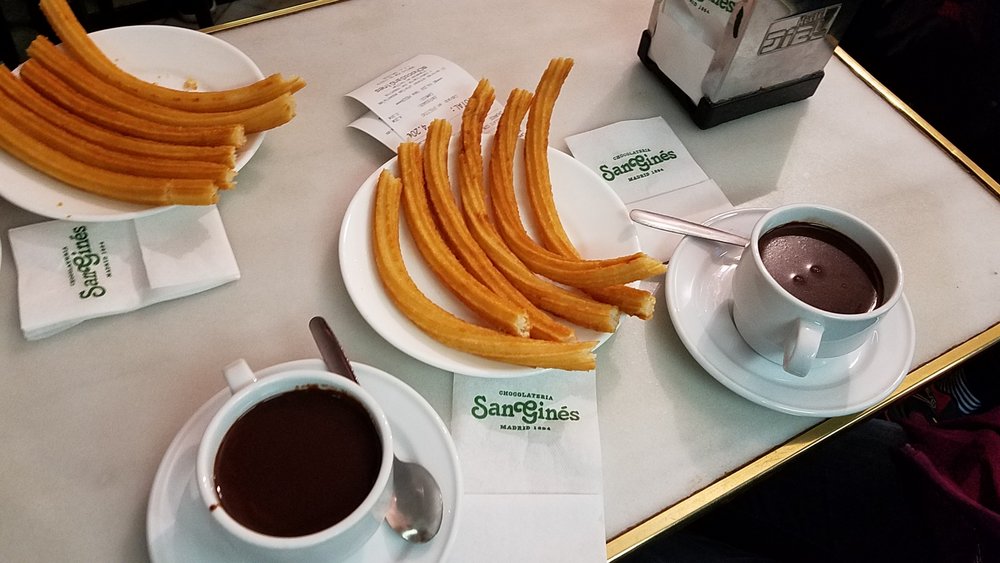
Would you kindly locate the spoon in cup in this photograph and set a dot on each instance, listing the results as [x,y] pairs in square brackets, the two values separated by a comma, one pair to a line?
[417,508]
[682,227]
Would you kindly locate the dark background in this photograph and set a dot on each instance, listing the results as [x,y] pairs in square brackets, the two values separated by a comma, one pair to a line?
[941,57]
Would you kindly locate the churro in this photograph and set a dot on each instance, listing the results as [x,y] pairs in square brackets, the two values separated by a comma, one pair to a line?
[632,301]
[267,115]
[569,270]
[80,149]
[536,146]
[47,84]
[480,234]
[444,326]
[471,179]
[75,39]
[137,189]
[497,312]
[40,105]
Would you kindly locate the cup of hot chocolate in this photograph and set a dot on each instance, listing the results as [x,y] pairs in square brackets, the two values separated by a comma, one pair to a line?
[814,282]
[297,464]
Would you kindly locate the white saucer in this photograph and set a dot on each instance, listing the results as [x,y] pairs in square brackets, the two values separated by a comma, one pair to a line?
[179,529]
[698,286]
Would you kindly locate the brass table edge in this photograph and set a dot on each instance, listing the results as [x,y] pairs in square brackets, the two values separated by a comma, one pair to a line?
[918,121]
[739,478]
[268,15]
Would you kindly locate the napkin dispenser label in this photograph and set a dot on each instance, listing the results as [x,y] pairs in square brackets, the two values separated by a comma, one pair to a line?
[798,29]
[724,59]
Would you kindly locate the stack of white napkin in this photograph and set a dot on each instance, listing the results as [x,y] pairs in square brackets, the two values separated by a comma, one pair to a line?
[69,272]
[645,163]
[530,452]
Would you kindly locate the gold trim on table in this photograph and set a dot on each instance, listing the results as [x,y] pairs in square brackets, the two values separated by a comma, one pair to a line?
[700,500]
[692,505]
[269,15]
[920,122]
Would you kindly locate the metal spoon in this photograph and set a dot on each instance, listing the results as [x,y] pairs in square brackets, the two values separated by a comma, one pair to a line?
[416,509]
[690,228]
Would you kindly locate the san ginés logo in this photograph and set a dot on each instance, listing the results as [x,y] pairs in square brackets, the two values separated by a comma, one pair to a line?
[636,164]
[86,261]
[522,411]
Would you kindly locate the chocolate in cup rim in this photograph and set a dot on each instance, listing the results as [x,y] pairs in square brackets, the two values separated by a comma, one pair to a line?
[892,292]
[208,448]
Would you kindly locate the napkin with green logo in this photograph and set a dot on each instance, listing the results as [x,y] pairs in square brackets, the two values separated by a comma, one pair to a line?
[649,168]
[530,452]
[69,272]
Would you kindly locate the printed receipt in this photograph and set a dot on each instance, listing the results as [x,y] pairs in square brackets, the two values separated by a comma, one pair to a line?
[404,100]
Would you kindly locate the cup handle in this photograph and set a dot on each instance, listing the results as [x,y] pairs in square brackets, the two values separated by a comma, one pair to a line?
[238,375]
[802,346]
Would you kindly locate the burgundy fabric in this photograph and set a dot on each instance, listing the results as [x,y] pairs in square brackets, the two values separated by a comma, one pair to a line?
[955,465]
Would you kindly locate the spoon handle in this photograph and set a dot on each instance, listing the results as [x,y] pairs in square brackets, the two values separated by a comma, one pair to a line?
[330,348]
[682,227]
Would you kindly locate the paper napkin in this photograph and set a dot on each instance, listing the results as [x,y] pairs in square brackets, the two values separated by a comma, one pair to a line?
[649,168]
[530,452]
[69,272]
[405,99]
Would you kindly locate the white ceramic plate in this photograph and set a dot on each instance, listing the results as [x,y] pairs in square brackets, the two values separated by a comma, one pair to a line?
[179,529]
[698,293]
[162,54]
[594,217]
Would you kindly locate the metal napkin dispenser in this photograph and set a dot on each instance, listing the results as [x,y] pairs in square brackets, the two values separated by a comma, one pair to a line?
[728,58]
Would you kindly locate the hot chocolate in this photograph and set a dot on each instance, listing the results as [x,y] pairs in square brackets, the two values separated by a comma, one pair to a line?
[298,462]
[822,267]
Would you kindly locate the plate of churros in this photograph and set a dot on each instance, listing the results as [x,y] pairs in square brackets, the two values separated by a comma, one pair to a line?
[507,269]
[127,121]
[594,216]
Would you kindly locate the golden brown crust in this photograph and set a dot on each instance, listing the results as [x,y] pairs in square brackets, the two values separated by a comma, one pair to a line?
[536,146]
[70,71]
[66,142]
[630,300]
[137,189]
[471,182]
[47,84]
[61,118]
[497,312]
[569,270]
[442,325]
[480,236]
[80,45]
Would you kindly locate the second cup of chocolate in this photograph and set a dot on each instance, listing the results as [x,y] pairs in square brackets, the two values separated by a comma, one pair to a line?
[296,465]
[814,282]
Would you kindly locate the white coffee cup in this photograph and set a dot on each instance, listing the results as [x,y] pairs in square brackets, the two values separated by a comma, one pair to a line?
[789,331]
[341,538]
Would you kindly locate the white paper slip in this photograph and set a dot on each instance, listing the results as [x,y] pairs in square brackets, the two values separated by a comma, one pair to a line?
[405,99]
[530,452]
[70,272]
[649,168]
